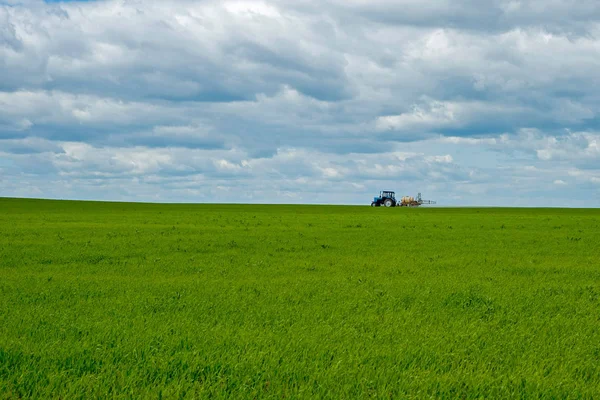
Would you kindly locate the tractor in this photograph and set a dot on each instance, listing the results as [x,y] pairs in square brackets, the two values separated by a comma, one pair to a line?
[386,198]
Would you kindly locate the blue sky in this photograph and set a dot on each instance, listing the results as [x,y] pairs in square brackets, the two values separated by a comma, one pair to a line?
[328,101]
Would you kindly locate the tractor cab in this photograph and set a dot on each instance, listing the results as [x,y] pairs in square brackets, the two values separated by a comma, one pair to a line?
[387,194]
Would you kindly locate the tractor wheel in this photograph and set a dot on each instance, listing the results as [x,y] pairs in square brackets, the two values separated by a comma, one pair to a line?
[388,202]
[373,204]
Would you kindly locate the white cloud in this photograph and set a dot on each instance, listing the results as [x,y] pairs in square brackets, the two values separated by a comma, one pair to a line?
[468,140]
[437,115]
[446,159]
[433,115]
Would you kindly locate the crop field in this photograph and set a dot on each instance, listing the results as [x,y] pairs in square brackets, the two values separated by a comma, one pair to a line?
[251,301]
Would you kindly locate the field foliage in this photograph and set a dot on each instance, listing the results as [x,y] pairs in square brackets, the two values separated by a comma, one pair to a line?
[250,301]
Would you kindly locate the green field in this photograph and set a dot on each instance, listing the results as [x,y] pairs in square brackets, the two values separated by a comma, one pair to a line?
[249,301]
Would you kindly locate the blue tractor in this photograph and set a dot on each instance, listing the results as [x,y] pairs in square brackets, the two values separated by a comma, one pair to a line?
[386,198]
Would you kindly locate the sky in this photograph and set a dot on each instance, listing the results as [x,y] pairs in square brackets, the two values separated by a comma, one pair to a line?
[489,103]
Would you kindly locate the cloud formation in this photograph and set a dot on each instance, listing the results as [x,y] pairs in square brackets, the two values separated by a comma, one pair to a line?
[301,101]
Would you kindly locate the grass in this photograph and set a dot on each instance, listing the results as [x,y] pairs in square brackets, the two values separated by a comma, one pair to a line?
[248,301]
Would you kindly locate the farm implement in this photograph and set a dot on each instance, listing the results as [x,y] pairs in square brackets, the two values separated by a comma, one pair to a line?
[387,198]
